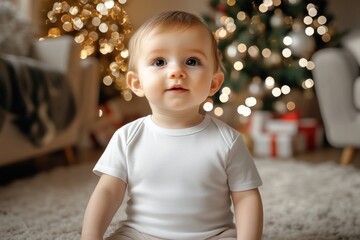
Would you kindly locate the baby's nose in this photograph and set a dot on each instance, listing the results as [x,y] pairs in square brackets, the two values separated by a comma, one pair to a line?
[177,72]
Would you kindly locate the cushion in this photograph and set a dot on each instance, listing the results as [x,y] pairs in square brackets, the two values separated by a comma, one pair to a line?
[15,33]
[357,93]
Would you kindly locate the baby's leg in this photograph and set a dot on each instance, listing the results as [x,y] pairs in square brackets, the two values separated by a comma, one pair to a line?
[128,233]
[229,234]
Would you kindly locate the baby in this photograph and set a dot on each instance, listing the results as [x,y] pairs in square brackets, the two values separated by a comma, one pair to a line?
[182,170]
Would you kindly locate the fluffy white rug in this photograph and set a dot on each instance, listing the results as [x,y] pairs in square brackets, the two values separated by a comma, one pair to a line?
[301,201]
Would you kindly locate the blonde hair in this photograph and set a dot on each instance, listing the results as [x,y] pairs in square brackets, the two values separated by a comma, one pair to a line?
[171,20]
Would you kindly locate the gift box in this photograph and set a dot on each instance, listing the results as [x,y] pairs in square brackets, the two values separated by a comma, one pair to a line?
[257,122]
[282,145]
[284,135]
[313,132]
[281,126]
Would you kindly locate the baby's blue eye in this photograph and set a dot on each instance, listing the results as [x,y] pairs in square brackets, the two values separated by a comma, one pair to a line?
[159,62]
[192,62]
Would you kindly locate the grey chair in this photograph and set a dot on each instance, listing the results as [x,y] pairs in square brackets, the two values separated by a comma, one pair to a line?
[337,84]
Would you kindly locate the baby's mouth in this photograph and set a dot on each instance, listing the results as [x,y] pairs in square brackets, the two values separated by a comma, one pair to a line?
[177,89]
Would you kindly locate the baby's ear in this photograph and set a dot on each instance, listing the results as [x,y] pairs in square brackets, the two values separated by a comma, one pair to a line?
[217,81]
[134,83]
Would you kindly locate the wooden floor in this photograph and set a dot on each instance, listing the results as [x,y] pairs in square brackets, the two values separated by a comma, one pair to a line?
[32,167]
[327,154]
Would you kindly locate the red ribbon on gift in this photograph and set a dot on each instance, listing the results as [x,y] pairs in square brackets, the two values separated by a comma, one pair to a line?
[309,128]
[273,145]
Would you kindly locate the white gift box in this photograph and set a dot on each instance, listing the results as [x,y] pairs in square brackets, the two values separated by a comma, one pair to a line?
[281,126]
[257,121]
[283,145]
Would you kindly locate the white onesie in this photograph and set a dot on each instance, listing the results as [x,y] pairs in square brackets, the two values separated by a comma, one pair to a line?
[179,180]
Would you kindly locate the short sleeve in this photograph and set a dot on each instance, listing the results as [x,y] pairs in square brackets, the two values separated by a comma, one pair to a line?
[113,160]
[241,169]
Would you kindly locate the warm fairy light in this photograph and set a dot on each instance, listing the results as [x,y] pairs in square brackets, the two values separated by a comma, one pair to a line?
[231,2]
[308,83]
[218,111]
[310,65]
[224,98]
[228,20]
[268,3]
[285,89]
[231,51]
[225,95]
[312,12]
[241,16]
[208,106]
[326,37]
[290,105]
[287,41]
[276,92]
[263,8]
[226,90]
[309,31]
[99,26]
[308,20]
[250,101]
[309,6]
[109,4]
[321,30]
[266,52]
[107,80]
[276,2]
[322,20]
[269,82]
[231,27]
[253,51]
[238,65]
[303,62]
[286,52]
[221,32]
[242,48]
[127,95]
[124,54]
[244,110]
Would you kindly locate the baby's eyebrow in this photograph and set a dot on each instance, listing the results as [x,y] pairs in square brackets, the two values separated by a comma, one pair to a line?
[159,51]
[197,51]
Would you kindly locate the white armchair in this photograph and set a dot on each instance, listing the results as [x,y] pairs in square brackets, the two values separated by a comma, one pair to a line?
[337,84]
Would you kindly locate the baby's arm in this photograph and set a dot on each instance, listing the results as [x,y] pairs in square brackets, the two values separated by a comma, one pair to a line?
[248,214]
[103,204]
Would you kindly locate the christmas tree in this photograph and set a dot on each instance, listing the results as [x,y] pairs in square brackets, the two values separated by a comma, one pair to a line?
[267,47]
[102,28]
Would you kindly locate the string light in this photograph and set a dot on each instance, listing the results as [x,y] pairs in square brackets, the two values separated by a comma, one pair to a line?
[219,111]
[244,110]
[250,101]
[276,92]
[285,89]
[269,82]
[303,62]
[208,106]
[301,34]
[287,41]
[286,52]
[290,105]
[99,26]
[238,65]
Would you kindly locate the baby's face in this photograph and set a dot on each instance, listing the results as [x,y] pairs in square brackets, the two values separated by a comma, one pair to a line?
[175,68]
